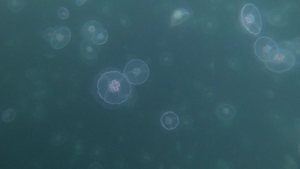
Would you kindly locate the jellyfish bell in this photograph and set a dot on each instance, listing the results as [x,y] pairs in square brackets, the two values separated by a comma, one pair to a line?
[178,16]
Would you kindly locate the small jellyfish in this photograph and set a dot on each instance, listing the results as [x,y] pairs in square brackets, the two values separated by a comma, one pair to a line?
[63,13]
[265,48]
[90,28]
[209,25]
[113,87]
[277,18]
[89,52]
[225,112]
[234,63]
[186,122]
[60,38]
[80,2]
[281,62]
[296,45]
[100,36]
[166,59]
[15,5]
[8,115]
[178,16]
[136,71]
[169,120]
[250,19]
[47,34]
[95,165]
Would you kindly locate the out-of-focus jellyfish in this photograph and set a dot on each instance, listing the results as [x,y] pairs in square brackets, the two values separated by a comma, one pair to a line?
[80,2]
[146,158]
[234,63]
[178,16]
[296,45]
[113,87]
[277,18]
[265,48]
[58,138]
[60,38]
[95,165]
[169,120]
[281,62]
[8,115]
[136,71]
[186,122]
[47,34]
[250,19]
[63,13]
[100,36]
[79,147]
[90,28]
[15,5]
[166,58]
[209,25]
[89,52]
[225,112]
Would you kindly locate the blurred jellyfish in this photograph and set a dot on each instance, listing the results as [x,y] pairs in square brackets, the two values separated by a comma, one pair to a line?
[225,112]
[15,5]
[178,16]
[47,34]
[209,25]
[63,13]
[89,52]
[8,115]
[234,63]
[100,36]
[90,28]
[186,122]
[166,58]
[80,2]
[250,19]
[95,165]
[277,18]
[60,38]
[281,62]
[265,48]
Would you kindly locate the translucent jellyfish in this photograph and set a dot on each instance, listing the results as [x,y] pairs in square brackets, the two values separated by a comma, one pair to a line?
[63,13]
[186,122]
[79,147]
[8,115]
[281,62]
[90,28]
[169,120]
[234,63]
[100,36]
[89,52]
[60,38]
[15,5]
[47,34]
[166,58]
[178,16]
[136,71]
[225,112]
[59,138]
[95,165]
[113,87]
[250,19]
[208,25]
[277,18]
[265,48]
[296,45]
[80,2]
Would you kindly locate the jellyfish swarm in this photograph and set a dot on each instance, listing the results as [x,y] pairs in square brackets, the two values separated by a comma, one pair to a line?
[178,16]
[250,19]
